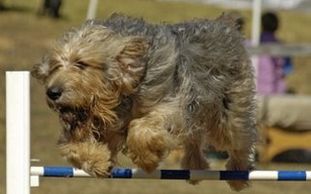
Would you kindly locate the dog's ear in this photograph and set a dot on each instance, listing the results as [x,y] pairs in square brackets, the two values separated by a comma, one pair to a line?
[131,60]
[41,70]
[231,19]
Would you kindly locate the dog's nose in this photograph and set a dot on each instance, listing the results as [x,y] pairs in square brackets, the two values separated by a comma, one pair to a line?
[54,93]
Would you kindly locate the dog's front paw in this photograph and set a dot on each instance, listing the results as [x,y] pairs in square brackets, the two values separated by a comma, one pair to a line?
[94,158]
[147,149]
[98,168]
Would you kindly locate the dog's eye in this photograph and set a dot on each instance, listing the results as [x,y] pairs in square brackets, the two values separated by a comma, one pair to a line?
[81,65]
[54,69]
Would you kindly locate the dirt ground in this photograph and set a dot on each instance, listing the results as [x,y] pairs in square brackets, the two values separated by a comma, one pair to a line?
[24,38]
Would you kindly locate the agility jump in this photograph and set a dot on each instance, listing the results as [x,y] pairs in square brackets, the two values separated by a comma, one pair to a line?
[20,175]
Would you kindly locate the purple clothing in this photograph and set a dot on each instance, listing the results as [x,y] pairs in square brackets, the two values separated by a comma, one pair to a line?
[267,37]
[270,76]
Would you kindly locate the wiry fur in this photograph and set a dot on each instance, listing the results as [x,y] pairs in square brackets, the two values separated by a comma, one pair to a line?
[148,88]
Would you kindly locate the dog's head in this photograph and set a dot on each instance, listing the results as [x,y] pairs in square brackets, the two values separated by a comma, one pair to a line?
[89,71]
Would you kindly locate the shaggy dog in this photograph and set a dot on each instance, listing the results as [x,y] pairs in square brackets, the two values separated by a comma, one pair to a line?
[124,84]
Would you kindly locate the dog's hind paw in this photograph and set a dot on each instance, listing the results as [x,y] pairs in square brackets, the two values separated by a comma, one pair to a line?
[238,165]
[238,185]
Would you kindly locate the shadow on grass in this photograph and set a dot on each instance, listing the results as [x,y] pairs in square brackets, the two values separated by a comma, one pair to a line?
[22,9]
[14,8]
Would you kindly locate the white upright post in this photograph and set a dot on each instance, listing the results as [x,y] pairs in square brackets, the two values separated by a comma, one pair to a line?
[256,27]
[256,22]
[17,133]
[91,13]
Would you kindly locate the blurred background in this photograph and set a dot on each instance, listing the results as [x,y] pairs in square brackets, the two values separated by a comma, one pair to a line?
[28,28]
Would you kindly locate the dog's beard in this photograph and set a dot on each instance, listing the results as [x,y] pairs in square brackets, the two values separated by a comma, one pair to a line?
[73,118]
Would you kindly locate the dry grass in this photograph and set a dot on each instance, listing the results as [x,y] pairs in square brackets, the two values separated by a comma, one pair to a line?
[24,37]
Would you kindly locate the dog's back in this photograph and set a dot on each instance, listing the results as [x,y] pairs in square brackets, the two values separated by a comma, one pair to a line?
[201,60]
[215,45]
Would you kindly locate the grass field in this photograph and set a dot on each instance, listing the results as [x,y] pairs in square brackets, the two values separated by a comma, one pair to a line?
[24,38]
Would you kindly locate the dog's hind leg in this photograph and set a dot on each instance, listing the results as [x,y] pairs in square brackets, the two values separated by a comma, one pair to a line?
[193,156]
[243,137]
[240,160]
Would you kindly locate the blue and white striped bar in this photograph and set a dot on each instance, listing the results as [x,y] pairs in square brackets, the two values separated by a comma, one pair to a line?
[125,173]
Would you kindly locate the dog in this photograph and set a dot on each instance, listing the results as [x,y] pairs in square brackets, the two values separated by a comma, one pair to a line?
[125,84]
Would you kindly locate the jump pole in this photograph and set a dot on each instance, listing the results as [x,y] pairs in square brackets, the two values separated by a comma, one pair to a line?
[127,173]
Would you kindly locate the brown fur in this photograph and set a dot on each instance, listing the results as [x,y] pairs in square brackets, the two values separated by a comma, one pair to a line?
[149,88]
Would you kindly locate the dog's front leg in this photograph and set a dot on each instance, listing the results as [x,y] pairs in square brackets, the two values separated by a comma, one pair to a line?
[148,140]
[84,152]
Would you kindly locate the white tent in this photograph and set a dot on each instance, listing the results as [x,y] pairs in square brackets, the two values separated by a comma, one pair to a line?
[246,4]
[257,5]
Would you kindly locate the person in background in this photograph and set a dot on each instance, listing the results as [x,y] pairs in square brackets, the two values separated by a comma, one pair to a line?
[271,70]
[51,8]
[2,7]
